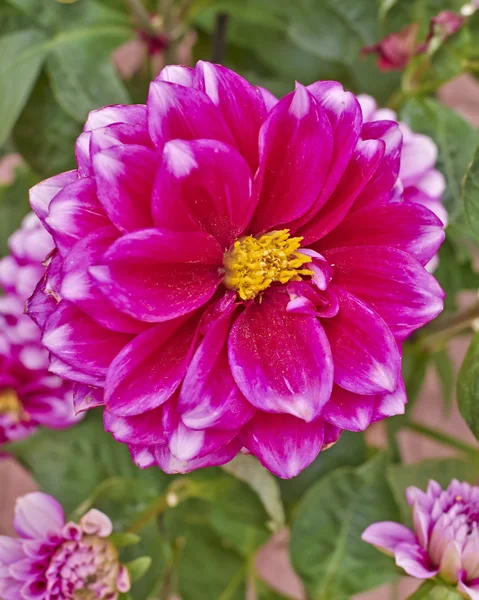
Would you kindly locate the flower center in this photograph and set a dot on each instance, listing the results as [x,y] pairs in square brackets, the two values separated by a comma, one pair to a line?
[10,404]
[253,263]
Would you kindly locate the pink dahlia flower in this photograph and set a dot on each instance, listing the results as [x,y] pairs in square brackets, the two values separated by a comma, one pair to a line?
[233,270]
[56,560]
[29,395]
[445,540]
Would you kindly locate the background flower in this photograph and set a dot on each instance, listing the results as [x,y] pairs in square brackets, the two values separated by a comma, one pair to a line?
[227,280]
[445,540]
[58,560]
[29,395]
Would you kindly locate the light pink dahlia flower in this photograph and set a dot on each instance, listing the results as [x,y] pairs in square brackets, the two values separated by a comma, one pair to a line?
[232,270]
[445,540]
[56,560]
[29,395]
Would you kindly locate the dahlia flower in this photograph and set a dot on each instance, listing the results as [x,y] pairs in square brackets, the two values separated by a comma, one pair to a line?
[234,271]
[445,540]
[57,560]
[29,395]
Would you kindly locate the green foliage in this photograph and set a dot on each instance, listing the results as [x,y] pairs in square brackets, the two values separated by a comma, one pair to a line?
[468,387]
[326,547]
[138,567]
[470,194]
[432,590]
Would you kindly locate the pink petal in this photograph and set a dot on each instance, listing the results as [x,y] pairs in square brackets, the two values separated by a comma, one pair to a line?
[418,156]
[37,515]
[168,463]
[285,445]
[209,396]
[145,429]
[80,342]
[86,397]
[203,185]
[281,361]
[470,556]
[391,404]
[179,112]
[118,134]
[471,591]
[143,456]
[11,550]
[124,176]
[94,522]
[393,283]
[387,536]
[240,103]
[349,411]
[79,287]
[75,212]
[360,169]
[82,154]
[292,163]
[43,193]
[365,353]
[177,74]
[133,114]
[451,562]
[409,227]
[66,371]
[415,561]
[156,275]
[269,99]
[150,368]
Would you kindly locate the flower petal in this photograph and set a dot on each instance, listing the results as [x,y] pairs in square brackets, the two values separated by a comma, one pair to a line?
[284,444]
[203,185]
[43,193]
[415,561]
[172,465]
[179,112]
[177,74]
[145,429]
[133,114]
[391,404]
[156,275]
[240,103]
[118,134]
[365,353]
[353,412]
[387,536]
[291,163]
[37,515]
[209,395]
[281,361]
[150,368]
[389,280]
[269,99]
[86,397]
[124,176]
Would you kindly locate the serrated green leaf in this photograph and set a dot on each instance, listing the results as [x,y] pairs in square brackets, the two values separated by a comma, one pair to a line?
[138,567]
[326,547]
[468,387]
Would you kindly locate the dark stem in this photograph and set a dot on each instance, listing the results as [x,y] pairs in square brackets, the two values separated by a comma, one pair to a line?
[444,438]
[219,38]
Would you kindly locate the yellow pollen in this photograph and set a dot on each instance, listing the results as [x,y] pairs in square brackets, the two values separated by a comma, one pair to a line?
[253,264]
[10,404]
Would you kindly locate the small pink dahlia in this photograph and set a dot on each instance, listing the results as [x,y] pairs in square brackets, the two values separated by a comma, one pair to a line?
[233,270]
[445,540]
[55,560]
[29,395]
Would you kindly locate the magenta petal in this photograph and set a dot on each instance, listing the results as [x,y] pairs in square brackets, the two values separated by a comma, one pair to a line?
[471,591]
[118,134]
[387,535]
[177,74]
[144,429]
[409,227]
[43,193]
[240,103]
[66,371]
[82,154]
[80,342]
[179,112]
[203,185]
[150,368]
[79,287]
[361,168]
[37,514]
[285,445]
[11,550]
[365,353]
[133,114]
[349,411]
[389,280]
[75,212]
[415,561]
[291,162]
[391,404]
[209,395]
[86,397]
[281,361]
[171,465]
[269,99]
[156,275]
[124,176]
[143,456]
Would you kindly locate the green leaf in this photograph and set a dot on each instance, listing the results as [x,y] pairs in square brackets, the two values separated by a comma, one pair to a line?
[122,540]
[326,547]
[468,387]
[44,134]
[249,470]
[443,471]
[456,140]
[470,194]
[350,450]
[138,567]
[432,590]
[21,58]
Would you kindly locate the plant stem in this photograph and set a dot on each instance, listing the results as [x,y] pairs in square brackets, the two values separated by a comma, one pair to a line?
[444,438]
[141,15]
[157,508]
[219,38]
[438,338]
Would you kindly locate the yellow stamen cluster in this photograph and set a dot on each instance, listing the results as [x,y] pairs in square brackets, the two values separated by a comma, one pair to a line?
[10,404]
[253,264]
